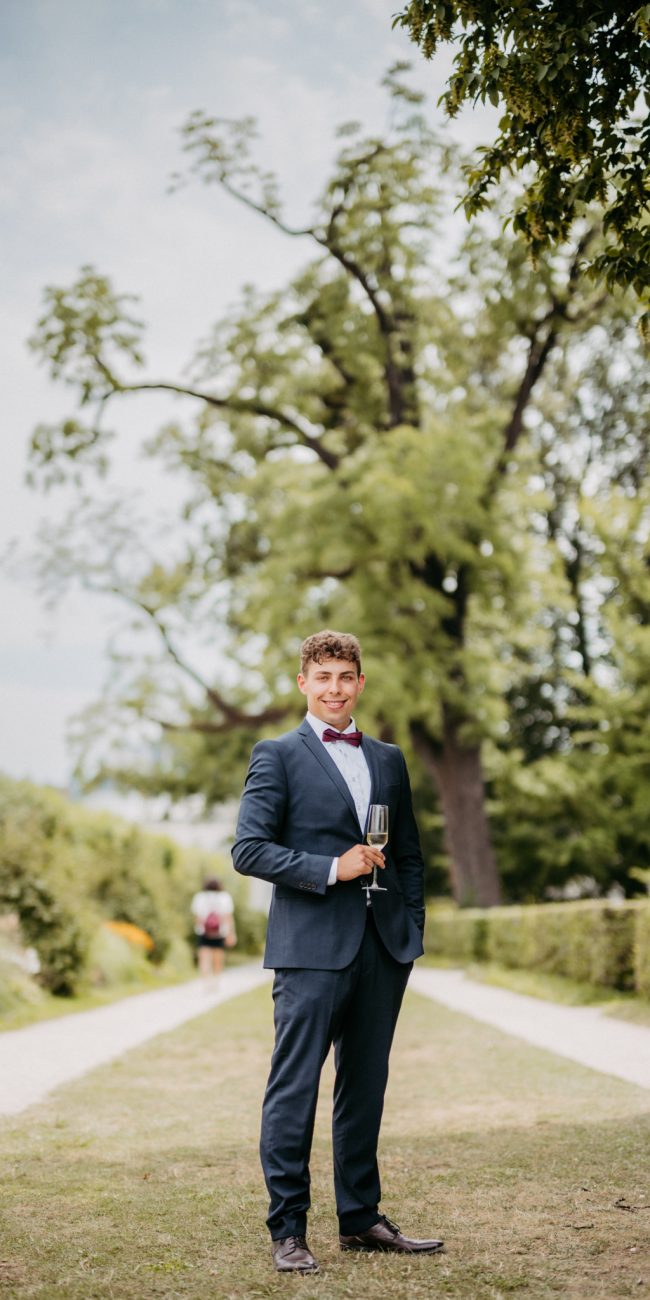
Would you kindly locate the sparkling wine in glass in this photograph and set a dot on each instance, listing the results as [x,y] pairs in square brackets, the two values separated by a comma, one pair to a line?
[377,837]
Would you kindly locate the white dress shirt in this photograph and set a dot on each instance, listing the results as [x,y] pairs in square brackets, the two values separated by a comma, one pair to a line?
[352,764]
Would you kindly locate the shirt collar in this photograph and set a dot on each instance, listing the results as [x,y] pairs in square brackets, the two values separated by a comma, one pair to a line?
[319,727]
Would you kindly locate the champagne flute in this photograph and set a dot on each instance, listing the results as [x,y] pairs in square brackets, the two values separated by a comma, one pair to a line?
[377,837]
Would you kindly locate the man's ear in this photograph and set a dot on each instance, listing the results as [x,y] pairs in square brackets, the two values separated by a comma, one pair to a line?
[362,681]
[302,684]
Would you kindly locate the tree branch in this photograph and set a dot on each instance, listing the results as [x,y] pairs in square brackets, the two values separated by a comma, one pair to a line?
[386,323]
[202,727]
[243,406]
[537,357]
[216,699]
[328,241]
[542,341]
[233,716]
[263,211]
[573,568]
[318,575]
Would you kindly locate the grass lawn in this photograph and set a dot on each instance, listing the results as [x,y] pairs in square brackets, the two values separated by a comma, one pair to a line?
[142,1180]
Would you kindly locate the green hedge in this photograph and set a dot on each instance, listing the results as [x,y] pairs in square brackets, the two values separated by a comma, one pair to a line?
[65,869]
[593,941]
[642,953]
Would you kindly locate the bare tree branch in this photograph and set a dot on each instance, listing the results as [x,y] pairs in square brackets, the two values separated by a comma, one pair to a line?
[233,717]
[216,699]
[263,211]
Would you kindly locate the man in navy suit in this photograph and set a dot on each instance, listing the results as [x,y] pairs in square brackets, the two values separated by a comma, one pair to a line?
[342,956]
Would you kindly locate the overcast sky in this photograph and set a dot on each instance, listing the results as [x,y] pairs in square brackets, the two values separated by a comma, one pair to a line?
[91,95]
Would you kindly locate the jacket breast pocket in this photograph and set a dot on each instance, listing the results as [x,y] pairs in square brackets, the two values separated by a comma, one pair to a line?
[389,793]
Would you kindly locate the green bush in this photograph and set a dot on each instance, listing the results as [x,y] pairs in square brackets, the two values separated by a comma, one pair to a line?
[251,929]
[593,941]
[17,988]
[642,951]
[39,882]
[64,869]
[113,960]
[455,934]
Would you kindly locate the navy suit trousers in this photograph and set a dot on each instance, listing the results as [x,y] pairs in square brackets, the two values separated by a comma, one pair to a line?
[356,1009]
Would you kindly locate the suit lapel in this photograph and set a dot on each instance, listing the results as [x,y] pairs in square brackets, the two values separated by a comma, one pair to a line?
[368,746]
[308,735]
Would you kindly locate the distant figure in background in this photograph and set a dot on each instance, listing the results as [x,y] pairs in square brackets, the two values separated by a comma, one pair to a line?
[213,912]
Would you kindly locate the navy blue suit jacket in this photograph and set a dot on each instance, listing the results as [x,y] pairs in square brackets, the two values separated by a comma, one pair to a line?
[296,815]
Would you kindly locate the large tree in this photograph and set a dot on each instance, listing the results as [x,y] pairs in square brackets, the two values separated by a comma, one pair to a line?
[572,83]
[366,453]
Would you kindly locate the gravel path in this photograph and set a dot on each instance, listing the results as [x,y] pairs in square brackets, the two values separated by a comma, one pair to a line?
[37,1059]
[582,1034]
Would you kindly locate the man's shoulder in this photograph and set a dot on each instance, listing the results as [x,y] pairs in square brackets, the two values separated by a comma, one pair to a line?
[274,743]
[383,746]
[388,756]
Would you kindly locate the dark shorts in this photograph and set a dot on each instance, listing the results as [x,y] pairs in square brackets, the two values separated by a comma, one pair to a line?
[204,941]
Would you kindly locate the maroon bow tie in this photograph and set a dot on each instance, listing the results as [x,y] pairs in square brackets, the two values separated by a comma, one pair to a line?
[350,737]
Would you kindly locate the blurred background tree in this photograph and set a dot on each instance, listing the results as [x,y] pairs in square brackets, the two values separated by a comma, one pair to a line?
[442,448]
[572,81]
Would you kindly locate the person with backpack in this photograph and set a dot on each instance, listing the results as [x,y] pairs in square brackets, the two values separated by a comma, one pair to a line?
[213,912]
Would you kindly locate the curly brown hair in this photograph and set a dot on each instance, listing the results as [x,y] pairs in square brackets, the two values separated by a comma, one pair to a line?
[329,645]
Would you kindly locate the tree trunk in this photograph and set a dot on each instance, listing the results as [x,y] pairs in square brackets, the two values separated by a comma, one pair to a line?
[457,773]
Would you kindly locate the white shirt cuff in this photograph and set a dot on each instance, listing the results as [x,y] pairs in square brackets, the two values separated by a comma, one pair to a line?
[331,879]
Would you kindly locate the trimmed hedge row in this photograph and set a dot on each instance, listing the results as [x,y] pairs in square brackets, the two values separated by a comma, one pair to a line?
[593,941]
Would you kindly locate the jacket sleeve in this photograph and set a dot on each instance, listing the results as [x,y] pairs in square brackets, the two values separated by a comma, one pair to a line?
[257,850]
[407,852]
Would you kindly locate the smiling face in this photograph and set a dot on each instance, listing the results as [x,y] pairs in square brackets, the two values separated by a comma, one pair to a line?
[332,689]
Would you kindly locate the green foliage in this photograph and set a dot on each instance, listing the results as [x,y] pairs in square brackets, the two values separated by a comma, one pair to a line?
[572,84]
[17,988]
[37,881]
[642,952]
[251,929]
[444,453]
[455,934]
[113,960]
[577,806]
[592,942]
[64,869]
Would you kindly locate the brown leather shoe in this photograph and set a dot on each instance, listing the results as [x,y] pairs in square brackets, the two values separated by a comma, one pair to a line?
[387,1236]
[292,1255]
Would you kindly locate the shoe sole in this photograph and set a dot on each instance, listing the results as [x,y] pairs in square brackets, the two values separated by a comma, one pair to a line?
[309,1269]
[390,1250]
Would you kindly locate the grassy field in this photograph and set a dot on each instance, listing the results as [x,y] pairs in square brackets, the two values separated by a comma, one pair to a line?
[142,1180]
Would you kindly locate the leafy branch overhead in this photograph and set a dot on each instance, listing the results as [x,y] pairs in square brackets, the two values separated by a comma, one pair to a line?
[572,83]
